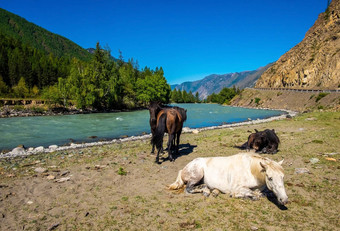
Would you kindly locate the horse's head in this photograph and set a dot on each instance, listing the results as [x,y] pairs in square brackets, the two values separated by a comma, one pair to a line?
[154,109]
[274,180]
[259,141]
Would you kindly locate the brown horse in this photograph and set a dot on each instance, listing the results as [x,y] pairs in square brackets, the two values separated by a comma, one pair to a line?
[169,120]
[154,109]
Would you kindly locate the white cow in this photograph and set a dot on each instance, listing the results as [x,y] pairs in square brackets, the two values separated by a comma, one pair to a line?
[240,175]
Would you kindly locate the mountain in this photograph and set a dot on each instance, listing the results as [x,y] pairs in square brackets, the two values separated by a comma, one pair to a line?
[215,83]
[315,61]
[28,33]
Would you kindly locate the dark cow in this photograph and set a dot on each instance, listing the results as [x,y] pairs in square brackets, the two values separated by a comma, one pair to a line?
[263,141]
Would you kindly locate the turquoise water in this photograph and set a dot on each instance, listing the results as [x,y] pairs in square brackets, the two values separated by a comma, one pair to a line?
[60,130]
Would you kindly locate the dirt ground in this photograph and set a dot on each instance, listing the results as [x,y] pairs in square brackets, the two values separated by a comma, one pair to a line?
[119,187]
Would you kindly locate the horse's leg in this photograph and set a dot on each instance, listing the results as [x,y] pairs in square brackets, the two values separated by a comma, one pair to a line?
[157,157]
[193,174]
[153,149]
[158,151]
[244,192]
[171,137]
[215,192]
[177,141]
[153,146]
[202,188]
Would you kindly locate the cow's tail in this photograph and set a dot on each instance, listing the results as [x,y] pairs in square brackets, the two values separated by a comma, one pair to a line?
[178,183]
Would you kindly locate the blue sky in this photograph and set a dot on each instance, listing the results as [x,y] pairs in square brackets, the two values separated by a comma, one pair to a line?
[188,39]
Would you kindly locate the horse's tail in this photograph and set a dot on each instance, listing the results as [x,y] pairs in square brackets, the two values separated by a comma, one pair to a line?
[157,138]
[178,183]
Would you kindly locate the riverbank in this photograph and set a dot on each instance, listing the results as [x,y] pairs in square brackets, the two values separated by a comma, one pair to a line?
[25,111]
[22,151]
[119,187]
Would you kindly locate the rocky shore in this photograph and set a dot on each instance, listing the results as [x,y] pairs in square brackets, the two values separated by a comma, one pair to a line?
[7,112]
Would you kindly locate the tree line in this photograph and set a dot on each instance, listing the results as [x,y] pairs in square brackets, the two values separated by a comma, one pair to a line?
[102,83]
[178,96]
[223,97]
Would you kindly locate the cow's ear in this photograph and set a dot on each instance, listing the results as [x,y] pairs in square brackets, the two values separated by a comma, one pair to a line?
[264,167]
[281,162]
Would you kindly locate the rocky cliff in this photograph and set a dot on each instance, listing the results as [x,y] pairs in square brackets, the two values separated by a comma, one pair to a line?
[315,61]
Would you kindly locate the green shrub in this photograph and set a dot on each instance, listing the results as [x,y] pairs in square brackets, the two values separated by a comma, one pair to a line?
[257,101]
[320,96]
[121,171]
[19,107]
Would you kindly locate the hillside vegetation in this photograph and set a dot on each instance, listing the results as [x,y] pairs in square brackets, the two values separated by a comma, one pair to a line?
[35,63]
[39,38]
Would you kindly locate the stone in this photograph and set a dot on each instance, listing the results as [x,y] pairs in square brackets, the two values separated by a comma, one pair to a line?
[40,170]
[39,149]
[53,147]
[195,131]
[29,202]
[50,177]
[186,129]
[314,160]
[63,179]
[18,151]
[301,170]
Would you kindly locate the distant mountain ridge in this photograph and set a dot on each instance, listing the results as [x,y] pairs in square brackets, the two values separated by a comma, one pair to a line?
[215,83]
[31,34]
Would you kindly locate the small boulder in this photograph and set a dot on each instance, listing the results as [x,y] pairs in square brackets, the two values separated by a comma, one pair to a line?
[53,147]
[314,160]
[301,170]
[18,151]
[40,170]
[50,177]
[195,131]
[39,149]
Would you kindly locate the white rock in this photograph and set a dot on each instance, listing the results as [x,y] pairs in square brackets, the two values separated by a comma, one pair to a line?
[195,131]
[53,147]
[39,149]
[50,177]
[186,129]
[40,170]
[18,151]
[63,179]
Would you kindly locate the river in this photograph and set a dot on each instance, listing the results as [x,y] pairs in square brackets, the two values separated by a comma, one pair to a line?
[61,130]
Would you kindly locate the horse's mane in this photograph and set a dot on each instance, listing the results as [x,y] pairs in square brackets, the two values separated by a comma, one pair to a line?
[256,169]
